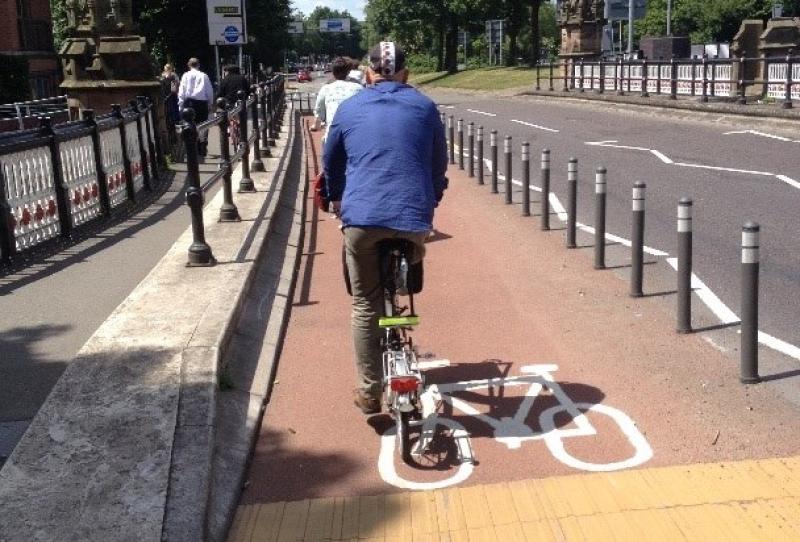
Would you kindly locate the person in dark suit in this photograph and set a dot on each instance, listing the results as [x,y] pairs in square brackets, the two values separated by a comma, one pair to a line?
[232,83]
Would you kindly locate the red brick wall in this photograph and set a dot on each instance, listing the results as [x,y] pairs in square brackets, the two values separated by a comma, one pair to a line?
[9,32]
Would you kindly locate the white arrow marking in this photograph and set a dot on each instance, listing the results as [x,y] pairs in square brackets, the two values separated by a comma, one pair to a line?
[481,112]
[763,134]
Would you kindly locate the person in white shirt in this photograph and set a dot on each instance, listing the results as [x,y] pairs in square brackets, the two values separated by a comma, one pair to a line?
[334,93]
[195,91]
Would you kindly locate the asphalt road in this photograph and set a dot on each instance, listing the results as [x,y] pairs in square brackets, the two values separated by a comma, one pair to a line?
[677,154]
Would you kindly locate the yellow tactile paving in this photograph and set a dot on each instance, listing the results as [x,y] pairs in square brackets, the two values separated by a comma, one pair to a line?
[744,501]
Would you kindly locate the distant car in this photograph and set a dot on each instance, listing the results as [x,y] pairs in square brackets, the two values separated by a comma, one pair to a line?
[303,75]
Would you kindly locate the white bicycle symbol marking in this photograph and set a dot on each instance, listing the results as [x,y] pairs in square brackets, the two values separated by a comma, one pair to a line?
[511,431]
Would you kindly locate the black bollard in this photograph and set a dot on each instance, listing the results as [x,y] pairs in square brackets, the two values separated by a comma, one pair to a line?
[787,98]
[493,144]
[509,186]
[451,133]
[545,180]
[750,270]
[228,211]
[263,121]
[461,144]
[684,265]
[257,164]
[471,144]
[637,240]
[572,202]
[526,179]
[704,82]
[600,187]
[199,252]
[480,155]
[246,184]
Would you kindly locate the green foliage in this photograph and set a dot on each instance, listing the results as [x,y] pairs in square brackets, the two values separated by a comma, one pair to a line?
[421,63]
[14,79]
[59,16]
[705,21]
[314,42]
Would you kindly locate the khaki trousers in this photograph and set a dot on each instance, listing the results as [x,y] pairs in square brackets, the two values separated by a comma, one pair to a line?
[362,257]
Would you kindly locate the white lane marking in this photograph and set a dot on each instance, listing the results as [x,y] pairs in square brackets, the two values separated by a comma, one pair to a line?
[482,113]
[720,309]
[789,181]
[763,134]
[538,127]
[727,316]
[728,169]
[667,160]
[447,106]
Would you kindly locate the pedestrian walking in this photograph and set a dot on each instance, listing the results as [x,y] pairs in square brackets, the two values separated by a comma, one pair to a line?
[170,83]
[355,75]
[195,91]
[385,161]
[334,93]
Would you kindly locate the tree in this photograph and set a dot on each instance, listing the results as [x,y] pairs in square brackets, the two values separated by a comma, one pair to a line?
[705,21]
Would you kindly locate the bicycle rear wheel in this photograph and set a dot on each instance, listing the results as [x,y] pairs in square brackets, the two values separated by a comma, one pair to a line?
[403,437]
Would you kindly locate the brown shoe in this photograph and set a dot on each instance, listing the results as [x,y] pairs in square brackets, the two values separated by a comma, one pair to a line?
[367,403]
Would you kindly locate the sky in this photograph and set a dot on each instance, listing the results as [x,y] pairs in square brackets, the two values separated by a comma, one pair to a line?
[355,7]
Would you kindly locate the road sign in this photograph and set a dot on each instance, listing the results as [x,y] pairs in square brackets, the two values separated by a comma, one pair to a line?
[296,27]
[225,22]
[334,25]
[617,10]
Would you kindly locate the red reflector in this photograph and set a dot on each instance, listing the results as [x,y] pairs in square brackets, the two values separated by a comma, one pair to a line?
[404,384]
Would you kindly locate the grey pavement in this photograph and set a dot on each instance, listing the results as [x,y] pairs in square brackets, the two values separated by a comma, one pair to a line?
[51,308]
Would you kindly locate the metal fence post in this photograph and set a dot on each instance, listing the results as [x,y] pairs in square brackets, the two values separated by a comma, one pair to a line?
[199,251]
[580,66]
[256,164]
[600,218]
[526,179]
[493,144]
[116,111]
[645,79]
[704,67]
[545,180]
[263,122]
[538,76]
[742,100]
[62,198]
[509,170]
[637,239]
[7,240]
[452,138]
[471,144]
[461,144]
[142,151]
[480,155]
[694,74]
[565,65]
[144,108]
[550,76]
[228,212]
[673,79]
[601,84]
[750,271]
[102,180]
[572,201]
[621,77]
[787,100]
[684,265]
[246,184]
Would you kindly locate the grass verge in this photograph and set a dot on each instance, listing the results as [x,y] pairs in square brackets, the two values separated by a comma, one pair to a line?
[478,79]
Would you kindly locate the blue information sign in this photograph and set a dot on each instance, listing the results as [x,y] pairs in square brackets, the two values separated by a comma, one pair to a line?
[231,34]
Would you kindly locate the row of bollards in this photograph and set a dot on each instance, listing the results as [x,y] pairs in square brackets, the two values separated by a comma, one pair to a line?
[271,98]
[750,232]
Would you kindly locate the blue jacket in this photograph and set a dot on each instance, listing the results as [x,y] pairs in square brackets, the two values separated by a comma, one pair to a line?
[386,157]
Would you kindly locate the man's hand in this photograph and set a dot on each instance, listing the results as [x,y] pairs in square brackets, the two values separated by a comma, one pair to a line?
[336,208]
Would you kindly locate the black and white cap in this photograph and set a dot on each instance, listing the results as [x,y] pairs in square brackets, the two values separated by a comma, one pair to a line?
[387,59]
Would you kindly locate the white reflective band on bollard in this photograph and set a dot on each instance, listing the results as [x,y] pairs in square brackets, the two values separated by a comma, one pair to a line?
[750,247]
[572,170]
[684,218]
[526,152]
[469,129]
[638,198]
[480,133]
[493,138]
[545,159]
[600,181]
[460,125]
[450,121]
[507,145]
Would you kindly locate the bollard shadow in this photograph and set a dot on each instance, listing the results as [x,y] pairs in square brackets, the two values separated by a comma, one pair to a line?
[608,244]
[626,265]
[715,327]
[780,376]
[437,235]
[660,294]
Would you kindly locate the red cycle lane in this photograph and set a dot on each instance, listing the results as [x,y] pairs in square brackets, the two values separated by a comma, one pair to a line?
[503,300]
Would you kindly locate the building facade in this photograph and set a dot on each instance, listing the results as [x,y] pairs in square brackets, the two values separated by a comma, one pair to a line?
[26,31]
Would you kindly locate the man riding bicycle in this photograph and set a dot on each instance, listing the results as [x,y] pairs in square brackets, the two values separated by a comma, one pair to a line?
[385,160]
